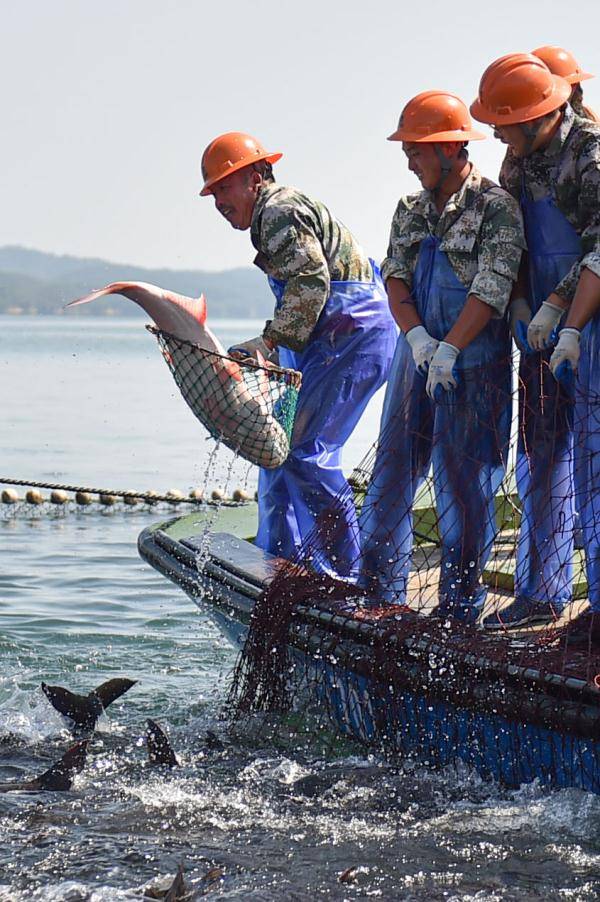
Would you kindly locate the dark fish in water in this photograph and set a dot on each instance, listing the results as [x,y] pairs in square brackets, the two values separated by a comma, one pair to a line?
[159,747]
[59,777]
[348,876]
[213,742]
[85,710]
[177,892]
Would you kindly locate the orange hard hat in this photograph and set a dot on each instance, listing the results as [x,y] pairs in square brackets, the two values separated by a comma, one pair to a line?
[230,152]
[434,116]
[517,88]
[561,62]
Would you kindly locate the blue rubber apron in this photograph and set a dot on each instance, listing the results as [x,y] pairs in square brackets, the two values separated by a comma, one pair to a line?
[587,454]
[544,568]
[346,360]
[465,436]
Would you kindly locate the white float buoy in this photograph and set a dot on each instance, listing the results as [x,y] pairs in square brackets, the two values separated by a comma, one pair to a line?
[241,495]
[107,500]
[150,497]
[34,496]
[57,496]
[175,494]
[131,500]
[10,496]
[196,495]
[83,498]
[217,495]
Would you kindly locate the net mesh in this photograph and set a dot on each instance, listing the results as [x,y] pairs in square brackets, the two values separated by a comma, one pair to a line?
[498,500]
[248,407]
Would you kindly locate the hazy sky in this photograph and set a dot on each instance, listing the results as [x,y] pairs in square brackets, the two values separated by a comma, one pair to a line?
[108,106]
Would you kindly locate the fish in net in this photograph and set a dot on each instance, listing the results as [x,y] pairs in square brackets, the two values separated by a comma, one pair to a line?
[467,519]
[249,406]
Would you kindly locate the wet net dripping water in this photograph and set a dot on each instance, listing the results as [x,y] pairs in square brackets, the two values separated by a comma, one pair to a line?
[249,407]
[464,628]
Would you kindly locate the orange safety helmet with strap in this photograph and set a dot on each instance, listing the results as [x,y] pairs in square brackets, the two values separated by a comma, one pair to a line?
[517,88]
[435,117]
[230,152]
[561,62]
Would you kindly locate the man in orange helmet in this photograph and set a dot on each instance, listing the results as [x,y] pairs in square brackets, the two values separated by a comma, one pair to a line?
[453,256]
[557,181]
[331,322]
[561,62]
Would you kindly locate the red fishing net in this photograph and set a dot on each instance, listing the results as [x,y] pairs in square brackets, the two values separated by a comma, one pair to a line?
[479,530]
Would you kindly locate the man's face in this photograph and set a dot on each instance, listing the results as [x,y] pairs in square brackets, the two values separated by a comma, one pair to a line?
[514,137]
[518,140]
[235,197]
[423,161]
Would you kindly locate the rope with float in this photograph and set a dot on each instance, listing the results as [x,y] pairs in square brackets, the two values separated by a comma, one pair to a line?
[84,495]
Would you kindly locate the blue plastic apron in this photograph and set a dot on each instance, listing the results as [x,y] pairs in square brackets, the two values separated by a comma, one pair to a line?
[346,360]
[587,454]
[544,568]
[464,435]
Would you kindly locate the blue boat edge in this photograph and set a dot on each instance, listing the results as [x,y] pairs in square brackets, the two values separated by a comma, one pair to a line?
[511,751]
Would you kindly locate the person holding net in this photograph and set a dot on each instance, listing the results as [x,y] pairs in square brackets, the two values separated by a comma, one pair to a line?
[331,323]
[553,168]
[453,257]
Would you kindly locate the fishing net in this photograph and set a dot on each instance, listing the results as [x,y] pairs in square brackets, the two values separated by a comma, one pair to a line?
[464,506]
[248,407]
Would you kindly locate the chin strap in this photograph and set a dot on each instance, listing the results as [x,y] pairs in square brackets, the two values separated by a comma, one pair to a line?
[530,130]
[445,166]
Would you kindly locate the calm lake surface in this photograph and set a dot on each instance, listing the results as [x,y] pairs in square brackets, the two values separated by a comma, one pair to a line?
[90,401]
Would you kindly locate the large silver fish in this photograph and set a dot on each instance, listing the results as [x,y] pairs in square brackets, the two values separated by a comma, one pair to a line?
[234,402]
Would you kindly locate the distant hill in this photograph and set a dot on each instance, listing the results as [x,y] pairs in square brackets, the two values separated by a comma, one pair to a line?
[35,282]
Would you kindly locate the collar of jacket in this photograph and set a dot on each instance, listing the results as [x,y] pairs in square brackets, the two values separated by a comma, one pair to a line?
[264,194]
[559,138]
[424,203]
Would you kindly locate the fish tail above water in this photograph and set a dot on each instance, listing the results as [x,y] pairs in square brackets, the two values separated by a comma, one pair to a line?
[159,747]
[84,710]
[178,892]
[59,777]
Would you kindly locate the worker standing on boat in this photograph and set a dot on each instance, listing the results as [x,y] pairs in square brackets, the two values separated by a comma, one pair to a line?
[331,322]
[453,256]
[557,181]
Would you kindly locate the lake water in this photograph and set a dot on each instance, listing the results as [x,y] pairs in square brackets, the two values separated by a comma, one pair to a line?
[90,401]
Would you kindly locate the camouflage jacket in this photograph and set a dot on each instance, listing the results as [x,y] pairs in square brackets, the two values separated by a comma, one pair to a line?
[300,242]
[480,230]
[584,111]
[569,170]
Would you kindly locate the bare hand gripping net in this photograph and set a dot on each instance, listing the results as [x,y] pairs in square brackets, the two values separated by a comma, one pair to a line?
[248,407]
[490,495]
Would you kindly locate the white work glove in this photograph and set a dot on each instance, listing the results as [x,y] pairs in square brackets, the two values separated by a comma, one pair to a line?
[520,317]
[565,356]
[246,349]
[539,333]
[441,375]
[422,345]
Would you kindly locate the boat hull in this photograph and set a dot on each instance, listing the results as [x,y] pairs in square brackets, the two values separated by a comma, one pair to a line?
[556,740]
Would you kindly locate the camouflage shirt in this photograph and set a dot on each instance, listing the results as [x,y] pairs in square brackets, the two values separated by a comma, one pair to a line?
[300,242]
[569,170]
[480,229]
